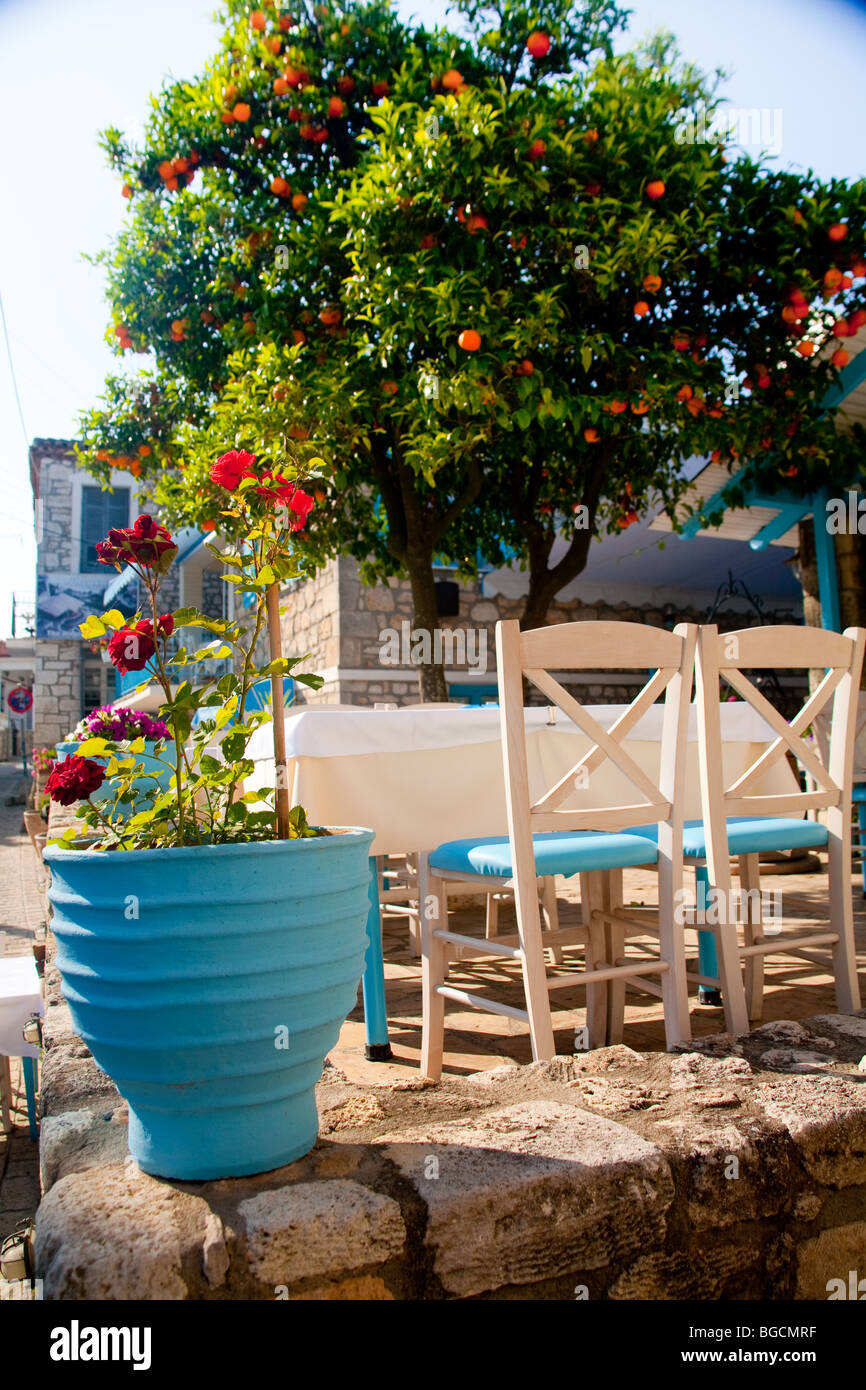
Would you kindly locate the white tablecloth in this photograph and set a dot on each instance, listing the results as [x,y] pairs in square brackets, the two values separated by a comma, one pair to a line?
[20,997]
[419,777]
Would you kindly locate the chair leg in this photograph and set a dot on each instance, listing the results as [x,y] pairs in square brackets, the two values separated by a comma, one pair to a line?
[550,913]
[614,950]
[593,893]
[433,908]
[491,919]
[672,950]
[753,929]
[842,911]
[861,821]
[28,1067]
[5,1094]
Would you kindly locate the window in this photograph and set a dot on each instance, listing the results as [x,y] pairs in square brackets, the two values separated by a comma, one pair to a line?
[99,512]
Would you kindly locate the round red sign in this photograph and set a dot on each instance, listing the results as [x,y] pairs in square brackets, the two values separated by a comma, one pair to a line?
[19,700]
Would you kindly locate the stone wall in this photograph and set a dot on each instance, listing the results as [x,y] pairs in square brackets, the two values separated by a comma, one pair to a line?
[735,1169]
[56,691]
[346,625]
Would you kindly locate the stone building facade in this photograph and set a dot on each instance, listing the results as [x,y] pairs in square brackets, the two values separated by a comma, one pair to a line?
[353,632]
[71,508]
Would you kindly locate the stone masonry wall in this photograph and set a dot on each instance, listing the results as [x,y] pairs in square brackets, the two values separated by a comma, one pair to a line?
[349,633]
[56,691]
[734,1169]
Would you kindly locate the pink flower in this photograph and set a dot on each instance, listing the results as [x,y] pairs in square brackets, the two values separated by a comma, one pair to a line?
[231,468]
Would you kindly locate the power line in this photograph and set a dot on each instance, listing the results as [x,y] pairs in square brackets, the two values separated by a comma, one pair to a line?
[12,372]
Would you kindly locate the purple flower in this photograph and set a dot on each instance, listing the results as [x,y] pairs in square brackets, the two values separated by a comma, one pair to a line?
[121,723]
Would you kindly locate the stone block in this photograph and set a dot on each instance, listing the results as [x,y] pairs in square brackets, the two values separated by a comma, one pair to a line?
[80,1139]
[319,1228]
[826,1119]
[114,1233]
[680,1276]
[532,1192]
[829,1256]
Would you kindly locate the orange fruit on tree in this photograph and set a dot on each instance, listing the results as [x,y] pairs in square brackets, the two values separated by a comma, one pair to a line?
[126,190]
[280,187]
[336,106]
[241,111]
[591,435]
[858,269]
[381,89]
[281,86]
[694,405]
[452,80]
[618,407]
[685,393]
[230,94]
[857,320]
[299,336]
[144,450]
[274,44]
[470,340]
[841,357]
[536,149]
[641,308]
[257,20]
[655,189]
[299,202]
[838,231]
[681,342]
[841,329]
[345,85]
[207,525]
[640,407]
[389,388]
[590,136]
[330,314]
[832,279]
[652,283]
[538,43]
[476,223]
[526,368]
[806,348]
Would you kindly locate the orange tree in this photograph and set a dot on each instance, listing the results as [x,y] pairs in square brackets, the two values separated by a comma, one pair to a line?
[479,275]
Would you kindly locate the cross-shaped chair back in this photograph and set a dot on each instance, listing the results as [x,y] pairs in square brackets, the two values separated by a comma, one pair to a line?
[596,646]
[726,657]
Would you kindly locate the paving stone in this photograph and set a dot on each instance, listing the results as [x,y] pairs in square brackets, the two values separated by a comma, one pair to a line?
[531,1192]
[315,1228]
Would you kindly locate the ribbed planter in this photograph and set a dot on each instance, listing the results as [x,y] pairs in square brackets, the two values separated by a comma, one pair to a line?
[210,984]
[145,785]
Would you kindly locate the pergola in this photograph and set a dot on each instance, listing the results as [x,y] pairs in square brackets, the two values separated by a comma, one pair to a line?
[764,518]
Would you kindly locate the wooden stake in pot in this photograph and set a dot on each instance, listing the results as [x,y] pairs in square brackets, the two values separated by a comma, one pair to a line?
[275,643]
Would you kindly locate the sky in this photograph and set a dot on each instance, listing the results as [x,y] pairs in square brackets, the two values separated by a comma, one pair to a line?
[74,67]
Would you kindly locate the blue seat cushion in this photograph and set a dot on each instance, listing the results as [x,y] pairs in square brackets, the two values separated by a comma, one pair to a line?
[749,835]
[859,792]
[556,852]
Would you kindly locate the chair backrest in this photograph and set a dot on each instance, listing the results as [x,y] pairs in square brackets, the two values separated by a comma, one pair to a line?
[725,657]
[595,646]
[821,729]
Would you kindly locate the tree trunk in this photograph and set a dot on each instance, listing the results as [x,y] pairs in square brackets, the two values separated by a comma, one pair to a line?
[431,677]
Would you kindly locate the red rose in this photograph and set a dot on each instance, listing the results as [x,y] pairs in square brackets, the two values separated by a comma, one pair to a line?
[130,648]
[164,625]
[74,779]
[230,468]
[301,503]
[145,543]
[279,489]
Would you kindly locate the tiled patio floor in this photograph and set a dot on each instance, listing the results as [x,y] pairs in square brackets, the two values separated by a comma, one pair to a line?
[476,1040]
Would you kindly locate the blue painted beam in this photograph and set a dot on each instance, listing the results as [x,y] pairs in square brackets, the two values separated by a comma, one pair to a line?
[849,379]
[788,516]
[825,556]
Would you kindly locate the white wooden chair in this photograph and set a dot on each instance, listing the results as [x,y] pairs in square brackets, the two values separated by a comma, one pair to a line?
[544,839]
[740,823]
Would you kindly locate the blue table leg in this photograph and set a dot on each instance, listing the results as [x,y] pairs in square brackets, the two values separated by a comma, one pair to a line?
[707,961]
[378,1048]
[861,820]
[28,1067]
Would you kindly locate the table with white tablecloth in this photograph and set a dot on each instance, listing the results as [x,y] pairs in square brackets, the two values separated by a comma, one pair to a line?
[20,999]
[418,776]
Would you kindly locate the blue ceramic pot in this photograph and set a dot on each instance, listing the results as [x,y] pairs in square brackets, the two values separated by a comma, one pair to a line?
[145,785]
[210,984]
